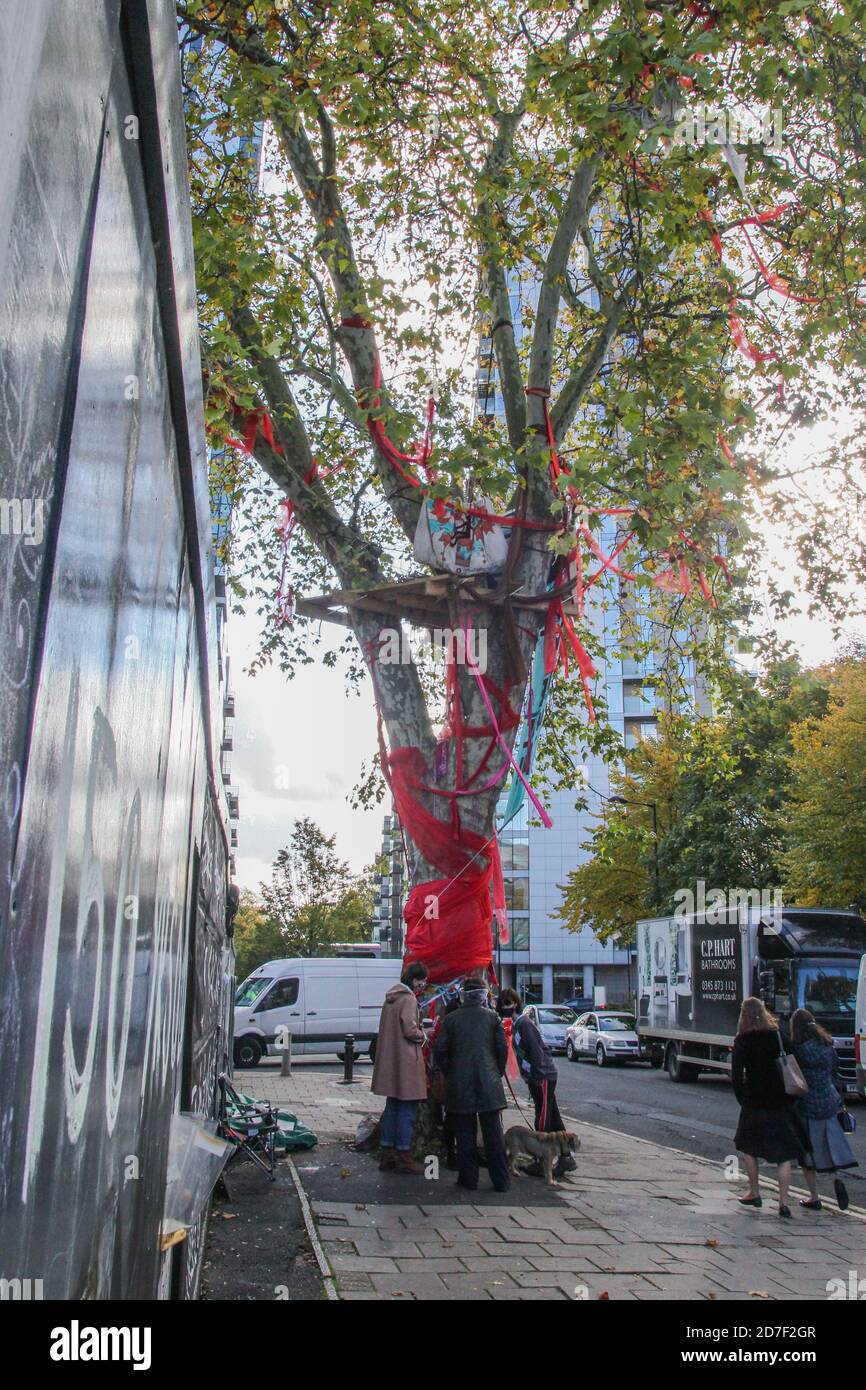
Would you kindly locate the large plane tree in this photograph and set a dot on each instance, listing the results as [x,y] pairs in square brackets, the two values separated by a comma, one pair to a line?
[642,223]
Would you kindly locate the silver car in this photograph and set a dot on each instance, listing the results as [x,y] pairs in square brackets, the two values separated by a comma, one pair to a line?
[552,1021]
[606,1036]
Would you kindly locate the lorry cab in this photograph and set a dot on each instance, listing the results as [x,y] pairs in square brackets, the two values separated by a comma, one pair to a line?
[317,1000]
[809,958]
[860,1030]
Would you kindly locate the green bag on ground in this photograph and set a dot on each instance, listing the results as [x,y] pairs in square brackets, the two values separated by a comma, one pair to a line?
[291,1134]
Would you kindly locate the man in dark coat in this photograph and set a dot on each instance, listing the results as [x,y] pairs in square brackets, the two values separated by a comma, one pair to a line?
[471,1053]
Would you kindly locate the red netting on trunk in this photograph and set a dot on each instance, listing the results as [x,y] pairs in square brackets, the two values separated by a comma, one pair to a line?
[448,925]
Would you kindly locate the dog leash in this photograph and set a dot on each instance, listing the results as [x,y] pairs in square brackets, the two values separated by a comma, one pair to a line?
[517,1102]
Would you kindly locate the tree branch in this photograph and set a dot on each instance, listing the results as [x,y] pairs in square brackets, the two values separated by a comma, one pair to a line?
[318,185]
[550,293]
[504,345]
[577,385]
[357,562]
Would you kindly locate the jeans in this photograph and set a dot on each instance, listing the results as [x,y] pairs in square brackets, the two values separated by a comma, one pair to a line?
[398,1121]
[494,1149]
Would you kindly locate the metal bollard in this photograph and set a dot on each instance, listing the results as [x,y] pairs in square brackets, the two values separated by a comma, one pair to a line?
[286,1061]
[349,1060]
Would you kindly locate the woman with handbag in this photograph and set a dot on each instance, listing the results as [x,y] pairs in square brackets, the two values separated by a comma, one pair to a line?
[821,1109]
[763,1078]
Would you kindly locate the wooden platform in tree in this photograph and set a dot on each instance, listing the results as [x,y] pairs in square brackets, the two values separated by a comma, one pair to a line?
[424,601]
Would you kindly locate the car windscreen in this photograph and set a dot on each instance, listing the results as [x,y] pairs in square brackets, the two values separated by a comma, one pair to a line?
[826,987]
[561,1017]
[617,1025]
[250,990]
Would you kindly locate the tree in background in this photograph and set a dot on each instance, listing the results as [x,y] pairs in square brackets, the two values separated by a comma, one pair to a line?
[313,898]
[723,789]
[257,937]
[427,157]
[616,885]
[734,784]
[825,810]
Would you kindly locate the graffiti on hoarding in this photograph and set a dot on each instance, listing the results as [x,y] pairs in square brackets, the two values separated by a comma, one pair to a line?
[115,962]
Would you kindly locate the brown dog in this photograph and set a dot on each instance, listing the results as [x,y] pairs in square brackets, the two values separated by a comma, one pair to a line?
[539,1146]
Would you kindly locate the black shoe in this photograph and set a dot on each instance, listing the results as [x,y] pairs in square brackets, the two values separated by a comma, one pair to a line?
[785,1213]
[841,1194]
[812,1206]
[751,1201]
[535,1169]
[466,1186]
[564,1165]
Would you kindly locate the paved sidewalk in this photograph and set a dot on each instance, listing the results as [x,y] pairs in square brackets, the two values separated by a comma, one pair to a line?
[636,1221]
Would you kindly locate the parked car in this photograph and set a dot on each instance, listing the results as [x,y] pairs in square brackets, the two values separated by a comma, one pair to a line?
[582,1005]
[606,1035]
[318,1000]
[552,1021]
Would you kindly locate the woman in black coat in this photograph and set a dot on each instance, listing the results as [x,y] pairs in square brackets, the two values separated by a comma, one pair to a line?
[471,1052]
[766,1128]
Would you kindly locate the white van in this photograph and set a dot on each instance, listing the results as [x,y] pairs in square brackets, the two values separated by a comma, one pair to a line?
[860,1029]
[318,1001]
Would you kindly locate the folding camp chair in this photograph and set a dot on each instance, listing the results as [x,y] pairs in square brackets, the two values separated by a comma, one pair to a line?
[251,1127]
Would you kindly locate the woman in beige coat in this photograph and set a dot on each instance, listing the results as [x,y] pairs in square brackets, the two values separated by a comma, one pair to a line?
[399,1072]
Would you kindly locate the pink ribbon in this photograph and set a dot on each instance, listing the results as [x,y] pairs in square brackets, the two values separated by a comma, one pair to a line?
[545,818]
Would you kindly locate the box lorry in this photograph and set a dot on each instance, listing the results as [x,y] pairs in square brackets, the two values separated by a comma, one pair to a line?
[694,970]
[317,999]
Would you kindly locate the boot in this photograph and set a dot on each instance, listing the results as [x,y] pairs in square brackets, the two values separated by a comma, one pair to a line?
[841,1194]
[565,1164]
[386,1159]
[405,1163]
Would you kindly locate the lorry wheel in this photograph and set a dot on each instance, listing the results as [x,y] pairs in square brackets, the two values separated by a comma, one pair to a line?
[247,1052]
[657,1058]
[600,1056]
[678,1070]
[372,1052]
[570,1052]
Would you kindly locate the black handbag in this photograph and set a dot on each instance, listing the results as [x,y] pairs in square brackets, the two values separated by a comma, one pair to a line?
[847,1121]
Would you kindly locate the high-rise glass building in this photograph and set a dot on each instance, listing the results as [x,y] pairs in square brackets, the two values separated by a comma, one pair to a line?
[543,960]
